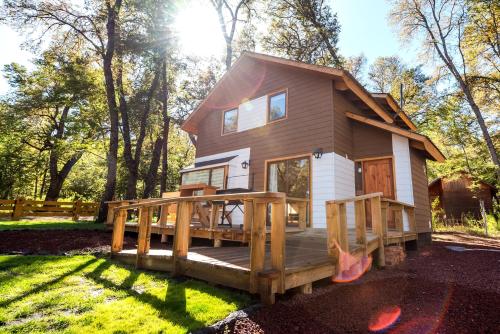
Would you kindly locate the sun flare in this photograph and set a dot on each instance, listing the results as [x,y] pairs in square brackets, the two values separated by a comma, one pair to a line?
[198,31]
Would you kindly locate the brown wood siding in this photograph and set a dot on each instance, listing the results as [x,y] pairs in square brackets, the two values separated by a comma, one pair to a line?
[342,125]
[308,125]
[370,142]
[458,198]
[420,191]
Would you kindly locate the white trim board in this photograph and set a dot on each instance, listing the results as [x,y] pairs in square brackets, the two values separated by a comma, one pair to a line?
[403,177]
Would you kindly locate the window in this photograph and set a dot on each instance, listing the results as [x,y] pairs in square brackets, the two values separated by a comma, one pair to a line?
[211,176]
[230,121]
[289,176]
[277,107]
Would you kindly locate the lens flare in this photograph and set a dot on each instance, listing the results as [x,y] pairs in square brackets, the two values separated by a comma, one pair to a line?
[350,267]
[384,318]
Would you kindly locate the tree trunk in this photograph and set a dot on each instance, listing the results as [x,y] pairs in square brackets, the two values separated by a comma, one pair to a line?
[57,178]
[112,158]
[166,128]
[150,182]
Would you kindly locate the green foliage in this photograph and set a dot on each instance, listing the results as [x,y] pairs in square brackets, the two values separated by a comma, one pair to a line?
[303,30]
[471,226]
[85,294]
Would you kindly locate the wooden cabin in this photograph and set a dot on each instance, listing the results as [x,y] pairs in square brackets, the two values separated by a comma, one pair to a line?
[460,196]
[312,132]
[298,166]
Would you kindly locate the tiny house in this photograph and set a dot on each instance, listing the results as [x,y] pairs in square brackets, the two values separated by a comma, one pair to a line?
[460,196]
[312,132]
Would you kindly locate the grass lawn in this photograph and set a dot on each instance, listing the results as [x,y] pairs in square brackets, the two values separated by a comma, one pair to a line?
[86,294]
[10,225]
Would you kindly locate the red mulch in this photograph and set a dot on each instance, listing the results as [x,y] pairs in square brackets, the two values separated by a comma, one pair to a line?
[44,242]
[436,290]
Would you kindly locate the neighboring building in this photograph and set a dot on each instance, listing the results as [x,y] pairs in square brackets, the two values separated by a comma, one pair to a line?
[459,196]
[311,131]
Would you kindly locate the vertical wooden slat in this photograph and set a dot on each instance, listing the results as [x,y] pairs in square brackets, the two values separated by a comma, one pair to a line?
[376,216]
[411,219]
[302,215]
[247,218]
[181,234]
[118,231]
[144,233]
[343,235]
[398,219]
[163,220]
[111,212]
[384,212]
[278,241]
[360,218]
[257,244]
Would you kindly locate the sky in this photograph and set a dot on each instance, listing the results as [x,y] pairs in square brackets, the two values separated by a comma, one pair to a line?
[364,29]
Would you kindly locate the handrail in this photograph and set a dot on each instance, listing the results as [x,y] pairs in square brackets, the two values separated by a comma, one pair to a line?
[222,197]
[255,217]
[384,199]
[352,199]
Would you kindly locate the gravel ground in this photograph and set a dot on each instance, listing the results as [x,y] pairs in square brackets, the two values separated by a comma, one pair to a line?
[436,290]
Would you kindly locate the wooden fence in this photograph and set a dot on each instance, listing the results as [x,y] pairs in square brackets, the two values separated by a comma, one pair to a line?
[20,207]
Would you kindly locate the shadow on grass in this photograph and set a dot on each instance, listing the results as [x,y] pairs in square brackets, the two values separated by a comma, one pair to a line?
[46,285]
[173,308]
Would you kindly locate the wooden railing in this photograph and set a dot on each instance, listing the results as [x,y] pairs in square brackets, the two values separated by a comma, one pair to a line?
[337,228]
[254,220]
[395,209]
[20,207]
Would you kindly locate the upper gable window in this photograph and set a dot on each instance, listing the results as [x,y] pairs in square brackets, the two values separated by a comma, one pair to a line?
[277,107]
[230,121]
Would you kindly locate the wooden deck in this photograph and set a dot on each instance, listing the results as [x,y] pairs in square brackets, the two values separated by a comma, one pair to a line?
[269,260]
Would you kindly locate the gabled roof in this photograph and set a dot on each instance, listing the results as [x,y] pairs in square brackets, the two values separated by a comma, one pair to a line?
[391,102]
[426,143]
[341,77]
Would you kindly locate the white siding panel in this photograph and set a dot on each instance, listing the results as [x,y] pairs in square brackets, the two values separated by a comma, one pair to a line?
[402,167]
[237,176]
[252,114]
[323,184]
[344,184]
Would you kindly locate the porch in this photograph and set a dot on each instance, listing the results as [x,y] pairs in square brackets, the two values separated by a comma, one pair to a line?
[270,259]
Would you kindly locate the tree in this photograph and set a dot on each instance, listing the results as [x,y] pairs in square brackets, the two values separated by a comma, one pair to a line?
[442,24]
[95,24]
[55,107]
[355,65]
[384,72]
[304,30]
[229,15]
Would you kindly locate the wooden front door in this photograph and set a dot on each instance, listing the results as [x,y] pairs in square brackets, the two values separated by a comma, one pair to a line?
[378,176]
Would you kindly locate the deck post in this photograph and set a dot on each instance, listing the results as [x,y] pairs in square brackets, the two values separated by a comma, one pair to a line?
[257,244]
[278,241]
[332,227]
[118,231]
[360,218]
[77,206]
[181,234]
[144,233]
[306,288]
[376,212]
[247,218]
[111,213]
[18,208]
